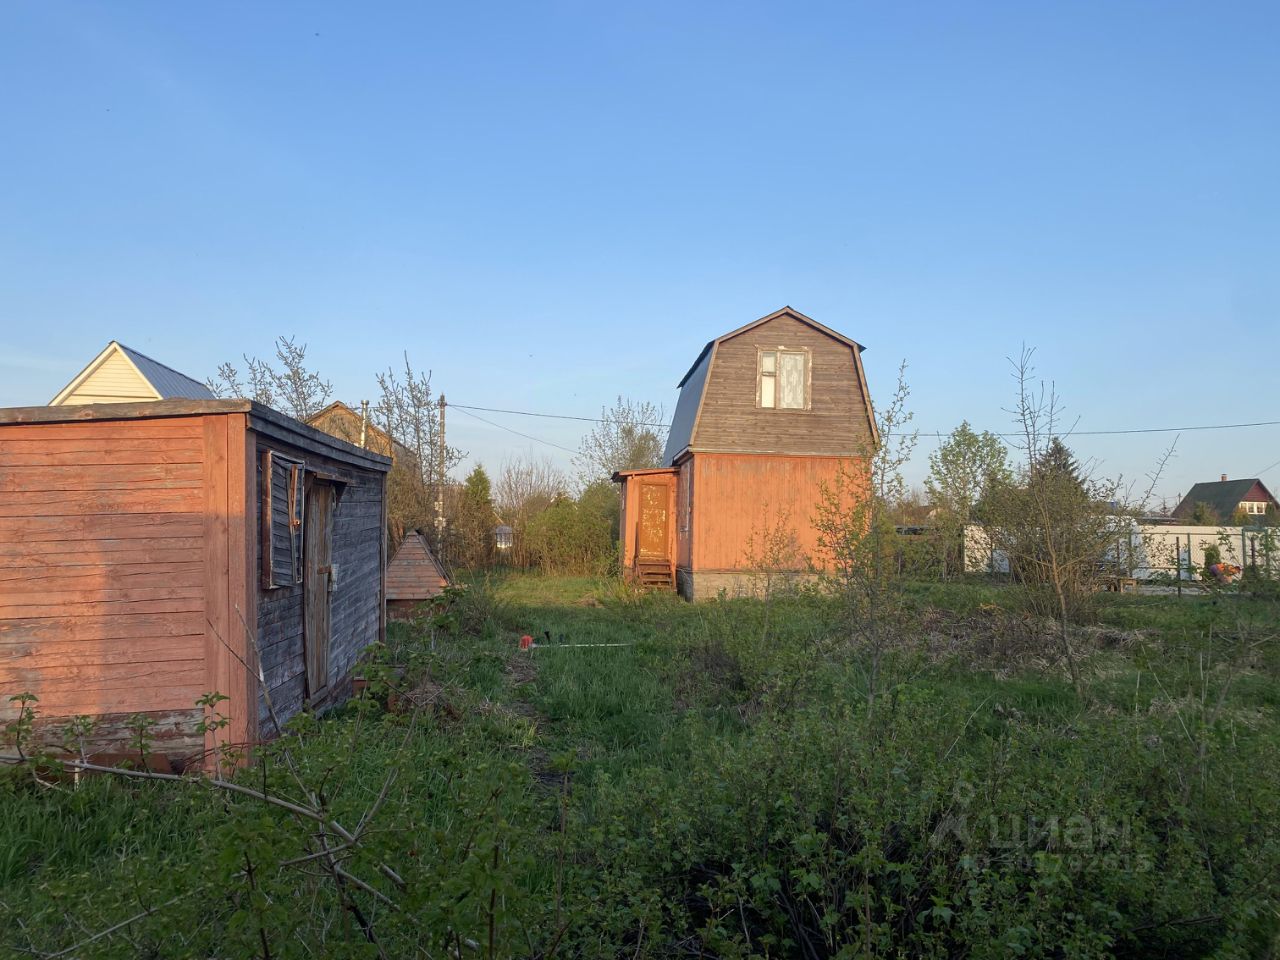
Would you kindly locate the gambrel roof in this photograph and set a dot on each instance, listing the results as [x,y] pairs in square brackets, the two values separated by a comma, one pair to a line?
[122,374]
[694,383]
[785,311]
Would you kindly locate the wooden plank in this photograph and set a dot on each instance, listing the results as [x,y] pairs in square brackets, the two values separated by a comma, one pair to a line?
[65,553]
[280,670]
[163,429]
[51,655]
[12,600]
[242,586]
[151,411]
[99,577]
[109,476]
[286,650]
[151,687]
[37,503]
[69,453]
[216,673]
[107,627]
[96,527]
[42,607]
[173,733]
[280,605]
[287,699]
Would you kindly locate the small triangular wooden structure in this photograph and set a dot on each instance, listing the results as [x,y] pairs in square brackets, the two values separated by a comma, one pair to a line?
[414,574]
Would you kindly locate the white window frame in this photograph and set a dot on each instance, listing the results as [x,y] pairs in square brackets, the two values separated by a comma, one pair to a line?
[776,353]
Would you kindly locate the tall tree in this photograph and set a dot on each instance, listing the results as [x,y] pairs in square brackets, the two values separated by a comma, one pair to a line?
[963,468]
[629,436]
[1057,459]
[291,387]
[410,413]
[473,529]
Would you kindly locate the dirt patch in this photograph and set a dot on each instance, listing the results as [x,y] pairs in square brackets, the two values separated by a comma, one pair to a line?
[522,669]
[995,638]
[427,696]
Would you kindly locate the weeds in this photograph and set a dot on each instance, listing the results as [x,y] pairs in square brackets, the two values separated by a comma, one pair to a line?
[714,788]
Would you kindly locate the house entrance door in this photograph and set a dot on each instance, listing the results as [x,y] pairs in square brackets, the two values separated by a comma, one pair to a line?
[652,527]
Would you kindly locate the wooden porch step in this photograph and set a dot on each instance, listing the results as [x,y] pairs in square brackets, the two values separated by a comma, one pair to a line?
[654,573]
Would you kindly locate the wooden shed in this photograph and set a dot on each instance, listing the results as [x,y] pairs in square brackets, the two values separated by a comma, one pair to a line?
[154,552]
[767,414]
[414,576]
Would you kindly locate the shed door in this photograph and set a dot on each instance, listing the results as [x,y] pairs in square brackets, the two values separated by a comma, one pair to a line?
[317,545]
[652,524]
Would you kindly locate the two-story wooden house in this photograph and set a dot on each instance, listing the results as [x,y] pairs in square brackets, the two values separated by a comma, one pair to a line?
[768,414]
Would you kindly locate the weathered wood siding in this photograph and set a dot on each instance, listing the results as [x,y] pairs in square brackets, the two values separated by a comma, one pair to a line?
[685,505]
[358,541]
[836,423]
[739,498]
[116,544]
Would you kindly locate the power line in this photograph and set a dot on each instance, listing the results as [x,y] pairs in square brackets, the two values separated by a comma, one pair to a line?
[549,416]
[922,433]
[1101,433]
[466,410]
[1265,469]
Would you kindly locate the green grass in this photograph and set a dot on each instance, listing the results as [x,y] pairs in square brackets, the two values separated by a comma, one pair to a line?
[718,781]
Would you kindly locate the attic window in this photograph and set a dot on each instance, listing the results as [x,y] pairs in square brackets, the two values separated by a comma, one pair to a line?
[783,379]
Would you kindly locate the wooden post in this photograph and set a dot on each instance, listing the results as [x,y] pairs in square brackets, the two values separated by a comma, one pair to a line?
[440,462]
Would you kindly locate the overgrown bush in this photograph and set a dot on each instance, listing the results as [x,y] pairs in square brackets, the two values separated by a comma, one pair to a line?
[570,537]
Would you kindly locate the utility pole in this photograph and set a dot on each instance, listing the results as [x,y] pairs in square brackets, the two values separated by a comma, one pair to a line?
[440,462]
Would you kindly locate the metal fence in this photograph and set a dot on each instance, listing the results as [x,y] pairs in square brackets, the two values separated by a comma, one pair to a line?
[1157,551]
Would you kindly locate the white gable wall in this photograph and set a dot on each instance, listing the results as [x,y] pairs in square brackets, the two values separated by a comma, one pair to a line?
[114,380]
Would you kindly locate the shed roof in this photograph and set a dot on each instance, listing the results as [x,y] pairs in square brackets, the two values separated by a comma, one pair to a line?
[1224,496]
[166,382]
[414,573]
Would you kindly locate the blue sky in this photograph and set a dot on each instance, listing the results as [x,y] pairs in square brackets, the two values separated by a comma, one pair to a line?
[549,204]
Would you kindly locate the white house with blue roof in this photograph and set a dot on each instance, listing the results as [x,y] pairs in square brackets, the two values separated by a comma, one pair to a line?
[120,374]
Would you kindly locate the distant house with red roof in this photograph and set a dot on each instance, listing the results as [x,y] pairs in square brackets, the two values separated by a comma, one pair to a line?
[1248,498]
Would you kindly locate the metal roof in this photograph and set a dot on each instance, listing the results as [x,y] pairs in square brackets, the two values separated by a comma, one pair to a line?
[681,433]
[168,382]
